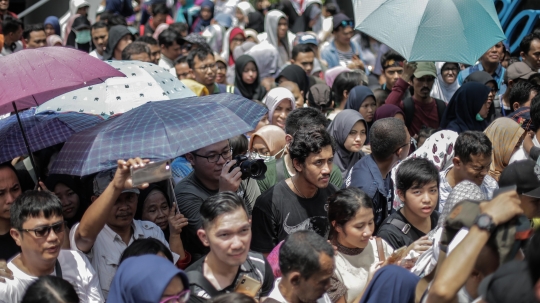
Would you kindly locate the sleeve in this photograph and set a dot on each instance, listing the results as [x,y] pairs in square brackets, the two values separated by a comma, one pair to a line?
[396,96]
[158,234]
[389,237]
[264,238]
[92,289]
[184,263]
[460,78]
[337,289]
[73,244]
[252,193]
[535,153]
[335,177]
[268,283]
[190,206]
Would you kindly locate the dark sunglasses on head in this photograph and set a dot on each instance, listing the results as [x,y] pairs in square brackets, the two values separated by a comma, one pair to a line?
[346,23]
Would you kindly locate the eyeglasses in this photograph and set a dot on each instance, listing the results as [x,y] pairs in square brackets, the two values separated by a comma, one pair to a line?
[182,297]
[214,158]
[206,67]
[239,40]
[44,231]
[346,23]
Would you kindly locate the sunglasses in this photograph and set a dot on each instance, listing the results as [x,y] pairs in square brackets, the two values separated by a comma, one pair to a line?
[182,297]
[346,23]
[44,231]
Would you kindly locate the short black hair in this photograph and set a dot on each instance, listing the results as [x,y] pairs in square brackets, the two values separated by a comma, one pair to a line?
[301,252]
[100,24]
[309,140]
[179,27]
[135,48]
[345,82]
[10,166]
[521,92]
[331,8]
[343,206]
[301,48]
[148,246]
[32,28]
[116,20]
[472,143]
[168,37]
[525,44]
[50,289]
[390,55]
[239,145]
[200,52]
[32,204]
[147,39]
[11,25]
[535,111]
[386,136]
[302,117]
[220,203]
[160,8]
[415,173]
[181,59]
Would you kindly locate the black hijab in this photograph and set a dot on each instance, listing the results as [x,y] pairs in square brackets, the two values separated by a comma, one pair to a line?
[296,74]
[254,91]
[460,113]
[256,21]
[484,78]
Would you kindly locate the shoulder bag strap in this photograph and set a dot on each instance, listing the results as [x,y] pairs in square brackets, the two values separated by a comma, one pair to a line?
[380,249]
[441,107]
[408,109]
[404,227]
[198,279]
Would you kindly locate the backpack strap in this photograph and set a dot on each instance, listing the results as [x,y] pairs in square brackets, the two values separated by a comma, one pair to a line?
[408,109]
[197,278]
[380,249]
[441,107]
[404,227]
[280,171]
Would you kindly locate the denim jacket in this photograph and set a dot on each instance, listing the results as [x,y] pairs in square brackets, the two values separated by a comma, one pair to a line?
[330,55]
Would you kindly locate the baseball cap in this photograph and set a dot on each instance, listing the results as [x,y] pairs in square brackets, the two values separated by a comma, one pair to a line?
[519,70]
[525,175]
[306,38]
[425,69]
[341,19]
[509,283]
[102,180]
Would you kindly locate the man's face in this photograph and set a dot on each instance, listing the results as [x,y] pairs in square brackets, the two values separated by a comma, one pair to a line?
[155,52]
[183,71]
[4,5]
[494,54]
[36,39]
[159,19]
[44,248]
[343,34]
[10,189]
[229,237]
[532,57]
[125,41]
[305,61]
[421,201]
[206,170]
[123,210]
[100,37]
[422,86]
[172,52]
[317,167]
[392,74]
[530,206]
[283,27]
[474,170]
[205,70]
[317,285]
[144,57]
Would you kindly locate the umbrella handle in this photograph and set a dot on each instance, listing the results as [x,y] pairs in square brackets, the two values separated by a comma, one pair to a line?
[27,146]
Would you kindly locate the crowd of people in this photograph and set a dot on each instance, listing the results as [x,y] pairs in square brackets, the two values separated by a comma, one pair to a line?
[386,180]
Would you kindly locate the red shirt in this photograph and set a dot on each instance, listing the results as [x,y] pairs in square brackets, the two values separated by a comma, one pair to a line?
[425,114]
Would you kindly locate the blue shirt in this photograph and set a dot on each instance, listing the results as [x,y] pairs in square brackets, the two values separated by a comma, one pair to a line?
[365,174]
[498,75]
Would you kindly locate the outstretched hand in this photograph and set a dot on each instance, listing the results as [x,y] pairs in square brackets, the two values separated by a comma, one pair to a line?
[122,178]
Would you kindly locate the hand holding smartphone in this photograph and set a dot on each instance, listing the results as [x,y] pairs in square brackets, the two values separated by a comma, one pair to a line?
[151,173]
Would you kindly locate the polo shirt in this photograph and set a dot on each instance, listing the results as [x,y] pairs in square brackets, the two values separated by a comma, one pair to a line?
[276,295]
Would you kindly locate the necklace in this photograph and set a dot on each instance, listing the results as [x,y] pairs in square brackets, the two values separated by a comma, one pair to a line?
[347,250]
[301,194]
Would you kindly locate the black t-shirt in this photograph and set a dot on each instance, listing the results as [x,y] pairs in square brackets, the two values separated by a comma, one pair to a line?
[8,247]
[279,212]
[255,266]
[395,237]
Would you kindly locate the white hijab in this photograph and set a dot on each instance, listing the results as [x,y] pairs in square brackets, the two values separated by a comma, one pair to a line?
[441,90]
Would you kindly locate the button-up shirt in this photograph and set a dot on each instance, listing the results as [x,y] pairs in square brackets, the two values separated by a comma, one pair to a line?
[108,248]
[489,185]
[498,75]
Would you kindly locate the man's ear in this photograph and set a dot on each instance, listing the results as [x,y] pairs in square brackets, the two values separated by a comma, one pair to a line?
[201,233]
[515,106]
[292,61]
[294,278]
[401,195]
[288,138]
[456,161]
[537,290]
[522,54]
[297,165]
[190,158]
[16,235]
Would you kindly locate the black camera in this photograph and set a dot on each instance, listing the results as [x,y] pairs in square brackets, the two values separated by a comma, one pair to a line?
[250,168]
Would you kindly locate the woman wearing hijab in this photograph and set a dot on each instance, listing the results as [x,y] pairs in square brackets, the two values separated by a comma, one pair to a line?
[389,111]
[349,130]
[362,99]
[266,56]
[148,278]
[506,135]
[269,142]
[468,108]
[280,102]
[446,83]
[78,30]
[247,78]
[243,9]
[233,37]
[332,73]
[296,74]
[256,22]
[486,79]
[52,26]
[68,190]
[278,35]
[391,284]
[205,17]
[183,12]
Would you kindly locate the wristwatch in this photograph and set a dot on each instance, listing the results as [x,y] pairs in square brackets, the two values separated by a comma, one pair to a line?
[485,222]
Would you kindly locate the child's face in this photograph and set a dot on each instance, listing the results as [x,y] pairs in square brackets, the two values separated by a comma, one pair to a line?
[206,14]
[421,201]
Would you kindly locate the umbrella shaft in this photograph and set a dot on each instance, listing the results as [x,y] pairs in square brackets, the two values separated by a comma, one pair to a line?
[26,143]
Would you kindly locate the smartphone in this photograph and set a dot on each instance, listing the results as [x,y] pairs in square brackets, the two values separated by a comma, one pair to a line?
[248,286]
[151,173]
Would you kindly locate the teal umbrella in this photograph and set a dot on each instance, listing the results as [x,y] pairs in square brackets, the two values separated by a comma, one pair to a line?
[431,30]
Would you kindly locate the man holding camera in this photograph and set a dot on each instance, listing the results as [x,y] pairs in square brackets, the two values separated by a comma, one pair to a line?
[211,174]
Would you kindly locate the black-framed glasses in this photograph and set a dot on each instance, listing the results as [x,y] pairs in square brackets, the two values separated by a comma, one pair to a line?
[214,158]
[44,231]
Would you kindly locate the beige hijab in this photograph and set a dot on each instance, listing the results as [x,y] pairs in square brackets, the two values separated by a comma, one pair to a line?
[273,136]
[504,134]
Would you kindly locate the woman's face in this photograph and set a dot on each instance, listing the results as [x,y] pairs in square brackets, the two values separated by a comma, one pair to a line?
[484,111]
[493,91]
[367,109]
[70,200]
[206,13]
[260,147]
[239,15]
[49,30]
[358,230]
[356,138]
[249,75]
[221,73]
[172,290]
[156,209]
[283,27]
[236,41]
[263,122]
[283,109]
[449,73]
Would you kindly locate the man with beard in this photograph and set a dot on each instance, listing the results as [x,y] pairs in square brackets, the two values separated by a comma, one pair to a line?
[297,203]
[226,230]
[107,227]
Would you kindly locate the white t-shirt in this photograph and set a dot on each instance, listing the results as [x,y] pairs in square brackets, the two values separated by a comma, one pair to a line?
[276,294]
[75,269]
[95,54]
[521,154]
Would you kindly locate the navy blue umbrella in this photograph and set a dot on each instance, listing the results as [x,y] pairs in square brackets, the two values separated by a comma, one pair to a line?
[42,130]
[158,131]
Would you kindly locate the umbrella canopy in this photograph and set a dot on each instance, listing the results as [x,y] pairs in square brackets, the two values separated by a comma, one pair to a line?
[432,30]
[143,82]
[42,130]
[32,76]
[158,131]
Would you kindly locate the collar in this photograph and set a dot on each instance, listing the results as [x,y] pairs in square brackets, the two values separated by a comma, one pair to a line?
[169,61]
[497,73]
[376,174]
[137,232]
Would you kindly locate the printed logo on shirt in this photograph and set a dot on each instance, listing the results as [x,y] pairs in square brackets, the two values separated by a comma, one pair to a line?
[317,224]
